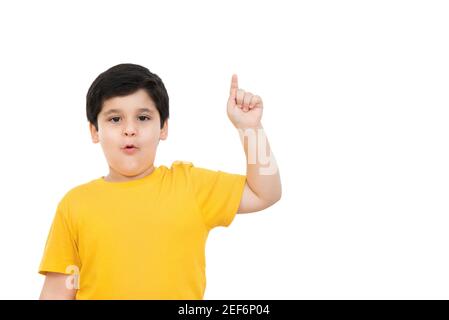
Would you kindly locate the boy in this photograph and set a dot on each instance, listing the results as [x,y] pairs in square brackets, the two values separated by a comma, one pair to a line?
[140,231]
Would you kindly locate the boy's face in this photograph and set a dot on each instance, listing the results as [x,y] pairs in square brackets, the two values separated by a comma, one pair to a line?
[123,121]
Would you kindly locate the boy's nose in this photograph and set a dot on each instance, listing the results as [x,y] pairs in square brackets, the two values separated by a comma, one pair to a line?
[129,129]
[129,133]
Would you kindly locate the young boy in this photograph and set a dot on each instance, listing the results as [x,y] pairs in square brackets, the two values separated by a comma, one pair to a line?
[140,232]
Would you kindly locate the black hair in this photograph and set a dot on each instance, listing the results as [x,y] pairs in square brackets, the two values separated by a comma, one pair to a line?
[122,80]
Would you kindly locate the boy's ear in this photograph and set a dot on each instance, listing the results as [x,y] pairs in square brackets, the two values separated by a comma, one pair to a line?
[93,133]
[164,131]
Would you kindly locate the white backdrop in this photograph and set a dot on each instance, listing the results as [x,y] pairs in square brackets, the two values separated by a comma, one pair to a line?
[356,112]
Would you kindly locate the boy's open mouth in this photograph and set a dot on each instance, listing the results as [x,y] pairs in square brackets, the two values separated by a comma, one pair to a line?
[129,148]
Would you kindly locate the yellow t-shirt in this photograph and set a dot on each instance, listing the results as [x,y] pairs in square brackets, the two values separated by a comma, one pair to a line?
[141,239]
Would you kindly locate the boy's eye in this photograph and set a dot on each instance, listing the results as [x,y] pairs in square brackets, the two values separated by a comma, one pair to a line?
[144,117]
[116,119]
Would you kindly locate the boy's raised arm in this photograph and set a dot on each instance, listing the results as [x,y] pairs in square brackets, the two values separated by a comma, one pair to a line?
[263,183]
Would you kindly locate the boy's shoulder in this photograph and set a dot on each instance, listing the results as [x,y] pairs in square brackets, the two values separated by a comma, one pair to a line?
[182,163]
[80,189]
[181,166]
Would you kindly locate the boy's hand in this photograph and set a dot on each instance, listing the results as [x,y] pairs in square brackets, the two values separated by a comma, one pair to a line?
[244,108]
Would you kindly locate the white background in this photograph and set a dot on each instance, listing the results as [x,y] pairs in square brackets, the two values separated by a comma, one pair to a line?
[356,112]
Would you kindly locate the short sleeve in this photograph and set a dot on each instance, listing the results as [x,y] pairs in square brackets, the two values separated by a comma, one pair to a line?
[218,195]
[61,252]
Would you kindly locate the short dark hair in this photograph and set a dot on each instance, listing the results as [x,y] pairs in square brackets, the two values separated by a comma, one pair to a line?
[122,80]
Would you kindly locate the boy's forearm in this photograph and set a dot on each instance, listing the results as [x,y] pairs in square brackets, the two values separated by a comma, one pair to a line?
[262,172]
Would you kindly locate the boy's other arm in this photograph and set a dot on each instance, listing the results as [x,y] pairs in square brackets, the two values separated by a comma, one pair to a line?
[55,287]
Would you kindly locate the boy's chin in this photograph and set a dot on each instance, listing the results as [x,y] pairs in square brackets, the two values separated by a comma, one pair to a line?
[130,173]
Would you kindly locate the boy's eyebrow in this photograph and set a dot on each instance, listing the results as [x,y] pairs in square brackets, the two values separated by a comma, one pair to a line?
[118,111]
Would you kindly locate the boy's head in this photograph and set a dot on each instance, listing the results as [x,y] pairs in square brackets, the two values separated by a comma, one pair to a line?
[128,105]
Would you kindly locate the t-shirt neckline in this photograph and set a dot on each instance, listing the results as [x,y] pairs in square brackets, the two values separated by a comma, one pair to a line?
[153,175]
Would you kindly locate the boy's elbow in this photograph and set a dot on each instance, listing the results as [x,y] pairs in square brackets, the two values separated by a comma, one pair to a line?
[278,196]
[274,199]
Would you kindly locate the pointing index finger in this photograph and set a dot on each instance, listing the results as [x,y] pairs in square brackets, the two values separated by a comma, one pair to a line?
[234,85]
